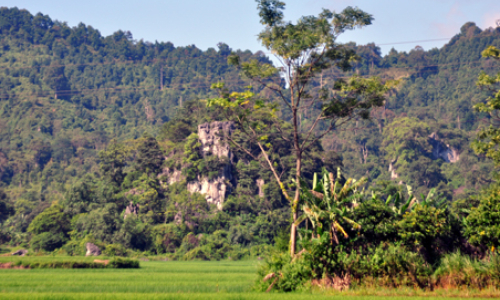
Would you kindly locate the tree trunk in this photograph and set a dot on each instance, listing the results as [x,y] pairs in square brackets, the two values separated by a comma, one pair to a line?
[293,235]
[296,143]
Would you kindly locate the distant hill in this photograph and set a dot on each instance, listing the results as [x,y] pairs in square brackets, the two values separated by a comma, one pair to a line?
[65,93]
[435,100]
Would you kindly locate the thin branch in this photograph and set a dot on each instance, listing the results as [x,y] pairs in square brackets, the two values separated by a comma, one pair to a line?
[264,153]
[311,129]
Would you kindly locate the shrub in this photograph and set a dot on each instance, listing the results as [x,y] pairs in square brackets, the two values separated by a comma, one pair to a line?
[396,264]
[48,241]
[282,273]
[74,247]
[167,238]
[199,253]
[115,250]
[123,263]
[423,227]
[483,223]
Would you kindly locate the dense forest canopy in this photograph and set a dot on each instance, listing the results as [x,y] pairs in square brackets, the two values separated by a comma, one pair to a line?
[99,137]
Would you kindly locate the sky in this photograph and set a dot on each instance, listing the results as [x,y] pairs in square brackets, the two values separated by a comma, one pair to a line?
[399,24]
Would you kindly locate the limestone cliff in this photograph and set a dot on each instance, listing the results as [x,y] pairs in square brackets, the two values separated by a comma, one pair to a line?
[213,142]
[442,150]
[394,175]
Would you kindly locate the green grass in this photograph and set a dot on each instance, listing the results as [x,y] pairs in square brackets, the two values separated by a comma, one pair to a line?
[154,280]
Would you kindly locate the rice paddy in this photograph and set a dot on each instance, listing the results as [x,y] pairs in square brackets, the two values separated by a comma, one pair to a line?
[154,280]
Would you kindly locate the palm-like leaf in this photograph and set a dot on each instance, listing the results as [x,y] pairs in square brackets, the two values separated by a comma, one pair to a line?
[327,204]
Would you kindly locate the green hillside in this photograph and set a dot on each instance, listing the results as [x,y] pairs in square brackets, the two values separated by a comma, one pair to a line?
[436,95]
[93,129]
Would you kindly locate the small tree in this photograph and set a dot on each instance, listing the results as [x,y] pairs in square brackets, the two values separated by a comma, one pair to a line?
[304,50]
[483,223]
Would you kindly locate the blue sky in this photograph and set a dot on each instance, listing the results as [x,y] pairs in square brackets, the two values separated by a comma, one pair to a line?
[205,23]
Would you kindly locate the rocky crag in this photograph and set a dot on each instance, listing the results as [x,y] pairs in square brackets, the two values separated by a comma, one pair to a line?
[213,139]
[442,150]
[214,142]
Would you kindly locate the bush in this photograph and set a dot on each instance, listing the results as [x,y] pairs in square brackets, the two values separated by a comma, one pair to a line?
[123,263]
[48,241]
[167,238]
[394,264]
[74,248]
[115,250]
[483,223]
[281,273]
[199,253]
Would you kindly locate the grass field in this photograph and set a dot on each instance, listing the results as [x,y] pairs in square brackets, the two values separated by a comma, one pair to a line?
[154,280]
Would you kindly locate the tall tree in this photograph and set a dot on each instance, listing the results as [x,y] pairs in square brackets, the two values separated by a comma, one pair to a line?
[54,77]
[113,162]
[304,50]
[149,155]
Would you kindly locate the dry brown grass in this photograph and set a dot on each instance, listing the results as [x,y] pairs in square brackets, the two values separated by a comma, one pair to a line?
[10,265]
[99,261]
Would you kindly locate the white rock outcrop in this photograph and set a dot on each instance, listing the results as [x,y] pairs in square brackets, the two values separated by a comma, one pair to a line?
[213,139]
[442,150]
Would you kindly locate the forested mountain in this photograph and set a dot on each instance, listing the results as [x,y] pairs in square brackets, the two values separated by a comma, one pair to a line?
[93,126]
[435,97]
[66,92]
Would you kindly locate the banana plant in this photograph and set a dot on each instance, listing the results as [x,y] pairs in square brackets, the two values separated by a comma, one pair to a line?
[430,200]
[398,204]
[400,207]
[328,203]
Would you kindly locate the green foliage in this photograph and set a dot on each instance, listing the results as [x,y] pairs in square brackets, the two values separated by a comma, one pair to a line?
[457,270]
[423,226]
[48,241]
[167,238]
[483,222]
[192,157]
[115,250]
[327,204]
[488,139]
[282,273]
[378,222]
[6,208]
[50,229]
[149,156]
[67,92]
[305,50]
[69,183]
[390,264]
[112,163]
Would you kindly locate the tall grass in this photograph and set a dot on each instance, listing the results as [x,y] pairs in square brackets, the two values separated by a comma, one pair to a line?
[457,270]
